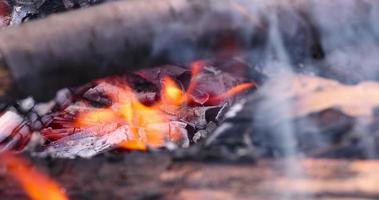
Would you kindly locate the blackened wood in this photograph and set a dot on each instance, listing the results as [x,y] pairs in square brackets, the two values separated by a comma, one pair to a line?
[74,47]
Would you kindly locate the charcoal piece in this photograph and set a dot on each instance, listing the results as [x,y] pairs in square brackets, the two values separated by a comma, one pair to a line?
[185,79]
[99,94]
[178,134]
[63,98]
[191,130]
[214,114]
[203,133]
[199,97]
[135,81]
[155,75]
[239,67]
[230,141]
[25,10]
[196,116]
[200,134]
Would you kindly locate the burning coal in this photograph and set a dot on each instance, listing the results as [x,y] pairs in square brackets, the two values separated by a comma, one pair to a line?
[150,108]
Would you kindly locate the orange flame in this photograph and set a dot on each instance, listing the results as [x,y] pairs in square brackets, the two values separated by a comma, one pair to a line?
[171,92]
[37,185]
[141,118]
[101,116]
[195,71]
[127,109]
[232,92]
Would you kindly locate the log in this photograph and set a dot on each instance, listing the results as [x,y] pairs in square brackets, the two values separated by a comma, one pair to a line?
[74,47]
[158,176]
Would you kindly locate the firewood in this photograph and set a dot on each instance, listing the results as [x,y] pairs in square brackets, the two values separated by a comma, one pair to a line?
[77,46]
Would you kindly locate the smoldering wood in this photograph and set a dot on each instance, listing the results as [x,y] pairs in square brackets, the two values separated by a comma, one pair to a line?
[326,119]
[75,47]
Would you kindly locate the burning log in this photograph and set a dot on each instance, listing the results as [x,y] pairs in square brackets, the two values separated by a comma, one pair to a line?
[75,47]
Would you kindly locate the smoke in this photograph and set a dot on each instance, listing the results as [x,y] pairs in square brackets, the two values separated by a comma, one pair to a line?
[281,38]
[337,39]
[349,36]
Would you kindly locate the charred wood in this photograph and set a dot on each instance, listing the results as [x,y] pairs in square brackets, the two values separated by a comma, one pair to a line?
[320,117]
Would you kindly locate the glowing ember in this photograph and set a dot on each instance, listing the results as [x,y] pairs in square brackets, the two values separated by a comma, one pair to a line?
[150,125]
[37,185]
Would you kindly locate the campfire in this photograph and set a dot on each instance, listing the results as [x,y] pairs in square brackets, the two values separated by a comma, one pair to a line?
[131,112]
[189,99]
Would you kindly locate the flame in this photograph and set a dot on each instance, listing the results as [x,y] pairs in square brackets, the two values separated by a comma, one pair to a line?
[232,92]
[127,109]
[196,68]
[101,116]
[141,118]
[37,185]
[171,92]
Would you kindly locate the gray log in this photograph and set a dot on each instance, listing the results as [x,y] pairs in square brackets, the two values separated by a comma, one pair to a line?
[74,47]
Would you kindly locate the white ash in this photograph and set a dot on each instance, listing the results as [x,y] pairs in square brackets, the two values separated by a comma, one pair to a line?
[233,111]
[9,121]
[88,145]
[221,129]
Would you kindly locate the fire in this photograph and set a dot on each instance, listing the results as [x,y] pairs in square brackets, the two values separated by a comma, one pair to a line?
[37,185]
[101,116]
[147,123]
[232,92]
[139,117]
[127,109]
[171,92]
[195,71]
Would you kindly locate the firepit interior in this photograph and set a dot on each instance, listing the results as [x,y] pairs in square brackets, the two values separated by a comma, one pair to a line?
[189,99]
